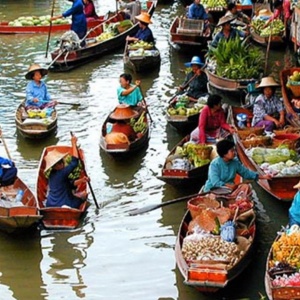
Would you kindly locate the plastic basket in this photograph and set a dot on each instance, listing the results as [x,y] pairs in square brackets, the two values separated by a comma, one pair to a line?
[196,205]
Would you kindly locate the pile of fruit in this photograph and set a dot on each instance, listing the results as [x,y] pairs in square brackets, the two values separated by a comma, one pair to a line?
[140,45]
[214,3]
[276,27]
[109,32]
[37,21]
[235,60]
[140,125]
[293,79]
[183,107]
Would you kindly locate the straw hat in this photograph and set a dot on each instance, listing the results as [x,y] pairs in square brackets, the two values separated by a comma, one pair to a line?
[123,112]
[52,158]
[33,68]
[196,60]
[297,186]
[225,19]
[144,17]
[268,81]
[264,13]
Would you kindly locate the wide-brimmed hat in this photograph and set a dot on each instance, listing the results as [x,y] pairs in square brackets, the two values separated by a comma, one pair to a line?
[53,157]
[196,60]
[123,112]
[264,13]
[33,68]
[297,186]
[225,19]
[268,81]
[144,17]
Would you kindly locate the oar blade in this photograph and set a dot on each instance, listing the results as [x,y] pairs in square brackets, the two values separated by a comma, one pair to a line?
[143,210]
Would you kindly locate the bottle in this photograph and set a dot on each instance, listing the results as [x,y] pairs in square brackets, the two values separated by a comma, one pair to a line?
[19,196]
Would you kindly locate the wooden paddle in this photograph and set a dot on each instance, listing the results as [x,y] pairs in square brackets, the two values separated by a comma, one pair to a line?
[148,208]
[4,144]
[145,103]
[50,28]
[85,173]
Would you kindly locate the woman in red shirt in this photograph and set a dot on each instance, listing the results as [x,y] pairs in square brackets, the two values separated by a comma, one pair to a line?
[212,121]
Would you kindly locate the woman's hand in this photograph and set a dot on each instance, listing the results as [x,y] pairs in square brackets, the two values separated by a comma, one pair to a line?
[265,176]
[137,82]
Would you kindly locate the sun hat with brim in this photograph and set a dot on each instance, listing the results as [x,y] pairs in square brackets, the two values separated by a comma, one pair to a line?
[33,68]
[144,17]
[264,13]
[297,186]
[123,112]
[268,82]
[53,157]
[225,19]
[196,60]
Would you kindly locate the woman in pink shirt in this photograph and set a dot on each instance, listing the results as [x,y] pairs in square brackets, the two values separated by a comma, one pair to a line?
[212,122]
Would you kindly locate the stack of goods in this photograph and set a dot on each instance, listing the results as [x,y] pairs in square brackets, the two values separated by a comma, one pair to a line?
[189,156]
[142,48]
[214,5]
[37,21]
[284,263]
[235,60]
[113,29]
[212,232]
[274,28]
[184,107]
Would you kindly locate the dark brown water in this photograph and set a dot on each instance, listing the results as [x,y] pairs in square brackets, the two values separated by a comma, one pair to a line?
[112,255]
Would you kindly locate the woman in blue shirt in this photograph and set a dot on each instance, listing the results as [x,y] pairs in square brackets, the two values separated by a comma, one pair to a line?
[197,12]
[60,191]
[79,24]
[128,93]
[37,95]
[144,33]
[8,172]
[223,169]
[294,211]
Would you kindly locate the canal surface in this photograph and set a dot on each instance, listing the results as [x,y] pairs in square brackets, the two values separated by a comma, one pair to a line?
[111,255]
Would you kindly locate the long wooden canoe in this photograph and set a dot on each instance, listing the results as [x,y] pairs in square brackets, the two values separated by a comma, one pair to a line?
[183,178]
[280,292]
[211,274]
[148,61]
[17,217]
[65,60]
[35,128]
[5,28]
[187,33]
[58,217]
[287,95]
[129,147]
[279,187]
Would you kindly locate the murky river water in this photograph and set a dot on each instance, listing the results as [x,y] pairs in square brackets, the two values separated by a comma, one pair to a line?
[112,255]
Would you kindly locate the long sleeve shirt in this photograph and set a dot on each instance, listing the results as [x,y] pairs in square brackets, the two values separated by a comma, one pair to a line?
[79,24]
[211,123]
[221,173]
[89,10]
[132,99]
[198,86]
[294,210]
[145,35]
[263,106]
[197,12]
[38,91]
[233,34]
[5,161]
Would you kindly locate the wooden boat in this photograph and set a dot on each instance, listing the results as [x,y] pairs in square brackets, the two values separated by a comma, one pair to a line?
[226,84]
[36,127]
[183,122]
[276,41]
[58,217]
[145,61]
[17,217]
[5,28]
[65,60]
[183,178]
[209,273]
[275,292]
[128,146]
[187,33]
[279,187]
[287,95]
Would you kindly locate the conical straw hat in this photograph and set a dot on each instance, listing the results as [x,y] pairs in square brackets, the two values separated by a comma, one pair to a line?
[144,17]
[268,81]
[33,68]
[53,157]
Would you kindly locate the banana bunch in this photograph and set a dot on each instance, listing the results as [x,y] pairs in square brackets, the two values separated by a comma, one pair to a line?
[140,125]
[104,36]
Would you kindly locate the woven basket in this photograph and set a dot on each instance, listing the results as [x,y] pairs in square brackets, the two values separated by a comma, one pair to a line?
[254,141]
[245,132]
[287,129]
[203,152]
[295,89]
[289,139]
[196,205]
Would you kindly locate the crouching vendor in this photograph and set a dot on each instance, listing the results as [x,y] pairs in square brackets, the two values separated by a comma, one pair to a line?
[61,188]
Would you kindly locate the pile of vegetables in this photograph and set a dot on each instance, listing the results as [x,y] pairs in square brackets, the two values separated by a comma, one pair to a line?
[109,32]
[142,52]
[188,156]
[140,125]
[37,21]
[234,59]
[185,107]
[275,27]
[293,79]
[214,3]
[140,45]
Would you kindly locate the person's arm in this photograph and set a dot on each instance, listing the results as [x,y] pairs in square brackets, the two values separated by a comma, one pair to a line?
[29,94]
[75,9]
[214,175]
[74,146]
[126,92]
[202,124]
